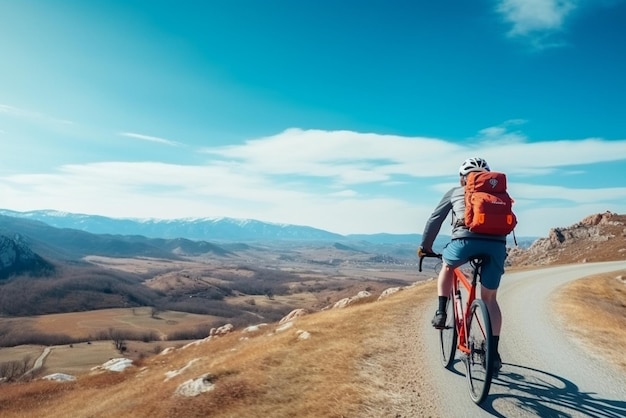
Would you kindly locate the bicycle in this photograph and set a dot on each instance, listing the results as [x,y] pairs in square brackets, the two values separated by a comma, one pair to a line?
[467,330]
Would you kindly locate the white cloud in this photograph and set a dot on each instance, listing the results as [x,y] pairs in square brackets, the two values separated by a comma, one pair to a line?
[530,17]
[350,157]
[331,180]
[149,138]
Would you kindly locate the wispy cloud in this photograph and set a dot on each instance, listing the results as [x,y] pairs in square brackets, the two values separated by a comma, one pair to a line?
[150,138]
[317,178]
[31,115]
[351,157]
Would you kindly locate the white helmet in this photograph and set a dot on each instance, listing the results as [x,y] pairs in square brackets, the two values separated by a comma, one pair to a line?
[473,164]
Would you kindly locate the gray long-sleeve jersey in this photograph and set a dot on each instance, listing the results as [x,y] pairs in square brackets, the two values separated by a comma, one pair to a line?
[453,200]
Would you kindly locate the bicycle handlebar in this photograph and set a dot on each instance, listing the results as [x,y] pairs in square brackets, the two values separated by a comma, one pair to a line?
[423,254]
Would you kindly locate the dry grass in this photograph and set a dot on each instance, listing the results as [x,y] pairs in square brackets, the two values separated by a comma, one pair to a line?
[81,357]
[78,358]
[276,374]
[269,374]
[139,265]
[88,324]
[594,311]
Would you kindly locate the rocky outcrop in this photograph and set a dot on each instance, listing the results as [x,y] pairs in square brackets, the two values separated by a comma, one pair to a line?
[598,237]
[362,296]
[296,313]
[17,258]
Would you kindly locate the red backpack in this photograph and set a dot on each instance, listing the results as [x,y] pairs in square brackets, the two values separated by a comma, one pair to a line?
[488,206]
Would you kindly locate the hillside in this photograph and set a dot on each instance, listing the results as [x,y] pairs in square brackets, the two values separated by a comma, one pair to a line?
[318,365]
[17,258]
[363,361]
[331,363]
[598,237]
[54,270]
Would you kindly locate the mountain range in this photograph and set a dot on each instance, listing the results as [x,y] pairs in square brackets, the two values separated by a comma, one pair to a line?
[215,229]
[54,262]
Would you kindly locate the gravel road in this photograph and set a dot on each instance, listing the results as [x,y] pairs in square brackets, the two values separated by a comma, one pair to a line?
[545,373]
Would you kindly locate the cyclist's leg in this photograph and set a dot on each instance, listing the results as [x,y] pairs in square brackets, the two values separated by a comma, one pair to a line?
[444,281]
[492,271]
[489,297]
[455,254]
[491,274]
[444,288]
[450,260]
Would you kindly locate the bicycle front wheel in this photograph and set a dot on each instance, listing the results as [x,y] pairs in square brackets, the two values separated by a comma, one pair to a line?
[479,362]
[448,335]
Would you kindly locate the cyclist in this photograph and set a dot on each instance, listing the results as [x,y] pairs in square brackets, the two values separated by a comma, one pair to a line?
[465,245]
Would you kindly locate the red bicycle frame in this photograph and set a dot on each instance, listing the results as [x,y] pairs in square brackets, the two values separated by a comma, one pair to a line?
[461,315]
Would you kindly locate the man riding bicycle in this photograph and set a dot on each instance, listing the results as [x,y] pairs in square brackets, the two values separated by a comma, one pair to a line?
[464,246]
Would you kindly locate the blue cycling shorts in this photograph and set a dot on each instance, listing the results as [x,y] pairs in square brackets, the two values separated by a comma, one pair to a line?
[460,251]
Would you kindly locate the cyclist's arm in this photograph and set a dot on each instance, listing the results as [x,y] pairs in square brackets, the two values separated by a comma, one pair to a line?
[433,225]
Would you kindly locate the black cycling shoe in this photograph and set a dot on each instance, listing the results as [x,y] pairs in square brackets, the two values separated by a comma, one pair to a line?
[439,320]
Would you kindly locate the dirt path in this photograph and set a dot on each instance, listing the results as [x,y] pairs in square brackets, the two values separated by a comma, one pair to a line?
[543,374]
[39,362]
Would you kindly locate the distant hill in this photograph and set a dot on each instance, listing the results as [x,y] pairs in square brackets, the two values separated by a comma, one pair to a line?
[207,229]
[598,237]
[66,243]
[59,269]
[60,263]
[17,258]
[221,230]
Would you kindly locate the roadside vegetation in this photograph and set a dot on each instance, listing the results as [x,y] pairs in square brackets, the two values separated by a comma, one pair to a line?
[594,311]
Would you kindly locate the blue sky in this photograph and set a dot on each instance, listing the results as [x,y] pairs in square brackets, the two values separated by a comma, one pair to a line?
[350,116]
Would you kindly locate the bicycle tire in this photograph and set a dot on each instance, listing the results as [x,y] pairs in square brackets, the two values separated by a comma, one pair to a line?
[448,336]
[479,362]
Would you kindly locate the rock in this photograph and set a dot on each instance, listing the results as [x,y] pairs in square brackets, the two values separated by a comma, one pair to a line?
[223,330]
[115,365]
[303,335]
[59,377]
[351,301]
[296,313]
[388,292]
[173,373]
[194,387]
[254,328]
[284,327]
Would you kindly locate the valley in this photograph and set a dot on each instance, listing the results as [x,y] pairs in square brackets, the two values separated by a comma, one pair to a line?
[209,291]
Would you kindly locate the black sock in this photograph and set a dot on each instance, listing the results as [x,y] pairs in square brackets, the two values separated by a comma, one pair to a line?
[495,340]
[443,301]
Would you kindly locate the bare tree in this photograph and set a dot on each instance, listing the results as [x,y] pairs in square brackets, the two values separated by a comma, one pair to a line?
[10,371]
[154,312]
[118,340]
[25,364]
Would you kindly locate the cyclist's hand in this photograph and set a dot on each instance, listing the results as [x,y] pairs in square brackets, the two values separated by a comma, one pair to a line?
[423,252]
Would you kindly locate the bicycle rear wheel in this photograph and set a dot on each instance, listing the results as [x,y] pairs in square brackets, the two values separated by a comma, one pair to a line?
[448,335]
[479,362]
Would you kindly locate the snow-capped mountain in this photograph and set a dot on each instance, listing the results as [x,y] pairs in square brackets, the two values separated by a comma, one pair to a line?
[208,229]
